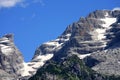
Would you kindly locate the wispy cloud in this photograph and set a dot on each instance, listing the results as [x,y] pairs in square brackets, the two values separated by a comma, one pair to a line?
[22,3]
[39,1]
[9,3]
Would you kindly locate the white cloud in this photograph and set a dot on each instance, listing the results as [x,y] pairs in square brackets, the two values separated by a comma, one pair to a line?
[22,3]
[117,8]
[9,3]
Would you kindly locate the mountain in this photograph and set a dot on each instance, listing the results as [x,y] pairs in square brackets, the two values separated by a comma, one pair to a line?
[94,39]
[11,60]
[12,63]
[71,68]
[88,49]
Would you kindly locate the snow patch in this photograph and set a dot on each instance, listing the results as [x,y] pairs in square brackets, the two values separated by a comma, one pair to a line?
[38,62]
[117,8]
[108,21]
[68,35]
[106,15]
[106,26]
[6,49]
[4,41]
[56,43]
[52,43]
[44,57]
[118,62]
[81,56]
[99,34]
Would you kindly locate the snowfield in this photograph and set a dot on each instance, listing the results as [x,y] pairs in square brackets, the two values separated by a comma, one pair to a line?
[33,66]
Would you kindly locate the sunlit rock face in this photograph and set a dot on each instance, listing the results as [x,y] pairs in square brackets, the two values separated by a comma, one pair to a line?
[11,60]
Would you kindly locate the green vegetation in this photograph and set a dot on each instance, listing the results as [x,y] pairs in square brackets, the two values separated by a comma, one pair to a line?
[71,68]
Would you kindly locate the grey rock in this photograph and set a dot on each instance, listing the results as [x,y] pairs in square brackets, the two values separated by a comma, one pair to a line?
[108,61]
[98,14]
[6,76]
[11,60]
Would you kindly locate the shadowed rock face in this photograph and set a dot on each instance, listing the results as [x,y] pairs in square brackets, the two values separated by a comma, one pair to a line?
[11,60]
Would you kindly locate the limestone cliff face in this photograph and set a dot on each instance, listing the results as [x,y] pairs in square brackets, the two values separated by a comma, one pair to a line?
[11,60]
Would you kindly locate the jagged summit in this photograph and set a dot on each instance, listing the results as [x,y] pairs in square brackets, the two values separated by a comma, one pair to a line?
[11,59]
[9,36]
[7,44]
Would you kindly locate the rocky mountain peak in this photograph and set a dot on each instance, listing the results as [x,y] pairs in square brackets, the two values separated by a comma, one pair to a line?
[104,13]
[82,38]
[7,44]
[98,14]
[11,59]
[10,36]
[94,39]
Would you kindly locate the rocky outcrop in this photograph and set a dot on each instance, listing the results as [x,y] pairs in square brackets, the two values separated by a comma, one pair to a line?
[11,60]
[106,62]
[6,76]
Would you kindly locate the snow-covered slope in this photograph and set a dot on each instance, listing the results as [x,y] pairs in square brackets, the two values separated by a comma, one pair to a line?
[57,43]
[106,25]
[43,55]
[30,68]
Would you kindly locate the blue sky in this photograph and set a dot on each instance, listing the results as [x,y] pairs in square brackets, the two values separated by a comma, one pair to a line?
[36,21]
